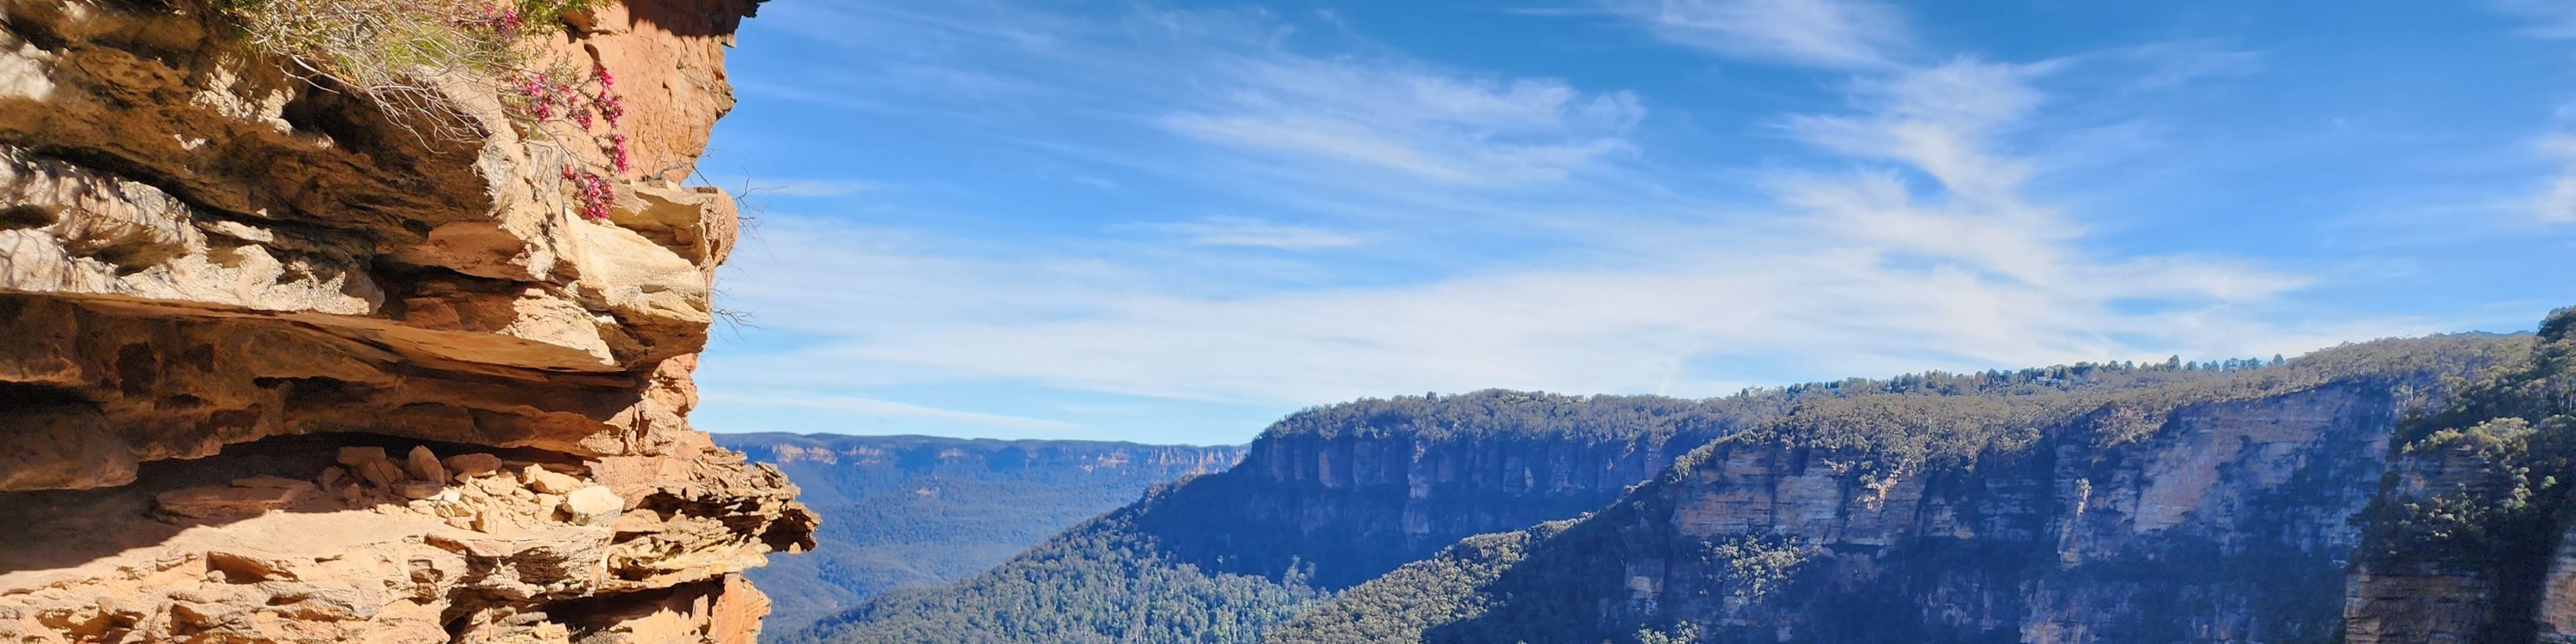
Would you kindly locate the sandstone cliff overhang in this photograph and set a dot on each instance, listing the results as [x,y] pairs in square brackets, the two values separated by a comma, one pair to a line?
[214,273]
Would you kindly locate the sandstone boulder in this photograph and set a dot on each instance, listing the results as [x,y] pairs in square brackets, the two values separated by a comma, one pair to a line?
[593,505]
[380,472]
[467,466]
[546,481]
[424,464]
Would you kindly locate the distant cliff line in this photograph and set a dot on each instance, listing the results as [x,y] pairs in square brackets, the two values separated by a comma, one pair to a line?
[1336,496]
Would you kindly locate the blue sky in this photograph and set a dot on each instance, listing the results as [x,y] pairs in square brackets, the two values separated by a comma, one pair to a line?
[1176,222]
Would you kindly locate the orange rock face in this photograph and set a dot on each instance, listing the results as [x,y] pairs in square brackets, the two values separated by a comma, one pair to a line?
[214,276]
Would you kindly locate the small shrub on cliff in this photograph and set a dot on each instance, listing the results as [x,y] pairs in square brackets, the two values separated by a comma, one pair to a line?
[1753,566]
[2507,473]
[2494,463]
[401,53]
[389,49]
[2481,487]
[1679,634]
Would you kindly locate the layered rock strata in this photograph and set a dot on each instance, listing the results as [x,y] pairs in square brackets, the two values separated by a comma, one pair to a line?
[2228,524]
[279,363]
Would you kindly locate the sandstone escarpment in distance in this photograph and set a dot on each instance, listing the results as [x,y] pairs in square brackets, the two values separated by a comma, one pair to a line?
[2208,507]
[1326,498]
[215,275]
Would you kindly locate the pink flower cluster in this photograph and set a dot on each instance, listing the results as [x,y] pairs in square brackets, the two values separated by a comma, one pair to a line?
[610,107]
[617,152]
[542,97]
[612,110]
[502,21]
[591,191]
[604,102]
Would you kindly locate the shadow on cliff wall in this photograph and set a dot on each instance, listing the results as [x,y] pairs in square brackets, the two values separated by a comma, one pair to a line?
[61,529]
[696,18]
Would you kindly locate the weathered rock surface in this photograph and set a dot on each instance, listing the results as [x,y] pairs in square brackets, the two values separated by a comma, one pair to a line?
[2557,613]
[1353,504]
[214,277]
[184,554]
[2421,600]
[2228,524]
[199,251]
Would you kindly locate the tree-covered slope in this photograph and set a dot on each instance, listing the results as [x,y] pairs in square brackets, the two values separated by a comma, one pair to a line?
[915,511]
[2199,506]
[2471,535]
[1103,582]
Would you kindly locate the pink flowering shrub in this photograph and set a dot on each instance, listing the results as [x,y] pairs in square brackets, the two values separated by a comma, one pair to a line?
[386,48]
[540,98]
[502,21]
[590,192]
[399,52]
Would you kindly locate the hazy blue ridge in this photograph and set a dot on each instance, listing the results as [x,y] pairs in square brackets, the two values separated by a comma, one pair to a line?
[914,511]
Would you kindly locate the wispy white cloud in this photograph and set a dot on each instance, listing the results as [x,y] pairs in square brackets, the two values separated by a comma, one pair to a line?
[1855,272]
[1405,118]
[1363,133]
[2549,18]
[1820,33]
[1938,120]
[1918,244]
[809,187]
[873,407]
[1239,231]
[2557,202]
[2175,64]
[1839,299]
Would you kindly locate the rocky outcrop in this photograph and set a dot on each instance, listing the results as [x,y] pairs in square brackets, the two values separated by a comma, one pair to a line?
[315,539]
[2557,611]
[2470,538]
[216,275]
[2215,529]
[2426,599]
[1414,494]
[1350,505]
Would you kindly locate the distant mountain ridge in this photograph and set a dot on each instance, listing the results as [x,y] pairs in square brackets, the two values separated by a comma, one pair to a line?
[909,511]
[1326,498]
